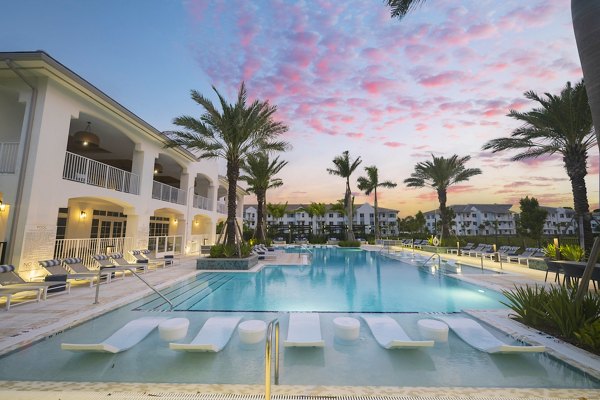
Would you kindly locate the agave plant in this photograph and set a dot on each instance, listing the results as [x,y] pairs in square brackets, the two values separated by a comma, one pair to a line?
[572,252]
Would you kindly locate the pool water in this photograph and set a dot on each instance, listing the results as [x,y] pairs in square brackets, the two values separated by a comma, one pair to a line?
[341,283]
[336,280]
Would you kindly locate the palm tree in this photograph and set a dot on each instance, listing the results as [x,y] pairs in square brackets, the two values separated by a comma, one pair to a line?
[277,211]
[259,175]
[319,210]
[561,125]
[232,133]
[440,174]
[369,184]
[344,167]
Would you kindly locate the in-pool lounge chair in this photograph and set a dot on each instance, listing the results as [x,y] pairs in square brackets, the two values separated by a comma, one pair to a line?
[9,280]
[125,338]
[55,268]
[213,336]
[304,330]
[480,338]
[390,335]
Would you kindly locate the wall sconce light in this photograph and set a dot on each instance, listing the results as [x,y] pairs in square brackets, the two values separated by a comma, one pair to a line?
[196,223]
[174,220]
[82,215]
[2,206]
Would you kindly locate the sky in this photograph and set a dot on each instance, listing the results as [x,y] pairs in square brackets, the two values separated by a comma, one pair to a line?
[343,75]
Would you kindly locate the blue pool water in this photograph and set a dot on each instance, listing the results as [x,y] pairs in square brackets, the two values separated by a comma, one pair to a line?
[342,283]
[337,280]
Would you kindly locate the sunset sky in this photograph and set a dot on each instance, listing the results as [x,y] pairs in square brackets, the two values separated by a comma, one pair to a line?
[344,76]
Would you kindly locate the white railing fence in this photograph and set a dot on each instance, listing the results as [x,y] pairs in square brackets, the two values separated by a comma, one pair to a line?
[85,170]
[86,249]
[8,157]
[163,192]
[201,202]
[222,207]
[166,244]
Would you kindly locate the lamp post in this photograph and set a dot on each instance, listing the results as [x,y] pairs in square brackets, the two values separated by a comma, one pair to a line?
[290,233]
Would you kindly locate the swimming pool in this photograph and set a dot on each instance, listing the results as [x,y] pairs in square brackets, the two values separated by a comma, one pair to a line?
[337,280]
[362,363]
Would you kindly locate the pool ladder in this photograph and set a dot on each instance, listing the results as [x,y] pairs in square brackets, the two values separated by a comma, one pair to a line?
[272,336]
[433,256]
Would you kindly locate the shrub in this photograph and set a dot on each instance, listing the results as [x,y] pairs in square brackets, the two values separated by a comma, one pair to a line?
[572,252]
[589,336]
[349,243]
[216,251]
[550,251]
[528,304]
[229,250]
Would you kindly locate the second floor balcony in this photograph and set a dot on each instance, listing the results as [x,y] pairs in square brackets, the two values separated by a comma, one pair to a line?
[90,172]
[161,191]
[8,157]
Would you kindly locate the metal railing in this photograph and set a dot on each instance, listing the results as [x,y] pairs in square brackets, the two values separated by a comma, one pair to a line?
[272,332]
[86,249]
[132,270]
[163,192]
[85,170]
[222,207]
[201,202]
[8,157]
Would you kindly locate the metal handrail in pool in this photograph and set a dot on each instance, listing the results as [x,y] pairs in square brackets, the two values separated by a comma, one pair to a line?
[272,330]
[433,256]
[100,270]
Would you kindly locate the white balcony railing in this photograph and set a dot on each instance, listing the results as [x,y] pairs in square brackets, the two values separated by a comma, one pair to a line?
[8,157]
[222,207]
[163,192]
[91,172]
[201,202]
[87,248]
[166,244]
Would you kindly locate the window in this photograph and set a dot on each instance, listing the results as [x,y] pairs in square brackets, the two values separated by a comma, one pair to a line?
[330,215]
[362,215]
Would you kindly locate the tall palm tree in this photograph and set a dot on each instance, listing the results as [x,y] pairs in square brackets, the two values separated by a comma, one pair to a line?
[232,133]
[319,210]
[259,175]
[440,173]
[344,167]
[561,125]
[369,184]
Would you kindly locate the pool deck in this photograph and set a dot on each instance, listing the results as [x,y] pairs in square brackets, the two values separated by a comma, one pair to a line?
[27,323]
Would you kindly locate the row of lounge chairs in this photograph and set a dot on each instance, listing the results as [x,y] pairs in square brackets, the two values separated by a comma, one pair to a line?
[505,253]
[59,273]
[304,330]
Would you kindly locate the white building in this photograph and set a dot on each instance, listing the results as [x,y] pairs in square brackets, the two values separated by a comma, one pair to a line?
[296,215]
[497,219]
[477,219]
[80,174]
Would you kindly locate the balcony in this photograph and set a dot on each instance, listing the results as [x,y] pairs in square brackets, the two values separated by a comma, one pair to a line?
[163,192]
[90,172]
[201,202]
[8,157]
[221,207]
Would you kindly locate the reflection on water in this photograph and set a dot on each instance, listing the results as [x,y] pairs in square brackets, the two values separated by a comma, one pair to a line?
[337,280]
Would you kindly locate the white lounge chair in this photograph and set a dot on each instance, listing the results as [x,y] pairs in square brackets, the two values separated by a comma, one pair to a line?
[480,338]
[390,335]
[213,336]
[304,330]
[123,339]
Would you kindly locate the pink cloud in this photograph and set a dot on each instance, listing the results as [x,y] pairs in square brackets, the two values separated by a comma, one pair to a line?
[355,135]
[394,144]
[442,79]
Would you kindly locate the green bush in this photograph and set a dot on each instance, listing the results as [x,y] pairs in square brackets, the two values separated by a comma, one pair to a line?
[216,251]
[555,311]
[589,336]
[550,251]
[230,250]
[349,243]
[572,252]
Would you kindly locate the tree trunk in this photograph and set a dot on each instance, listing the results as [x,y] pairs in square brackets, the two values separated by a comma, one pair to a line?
[233,173]
[260,216]
[376,215]
[443,197]
[349,212]
[576,169]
